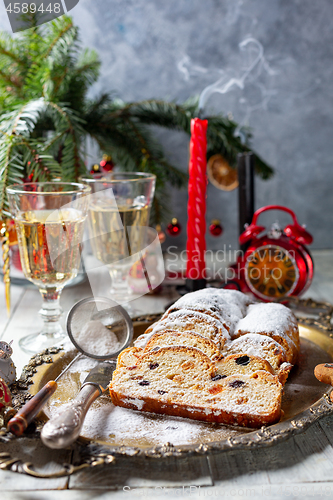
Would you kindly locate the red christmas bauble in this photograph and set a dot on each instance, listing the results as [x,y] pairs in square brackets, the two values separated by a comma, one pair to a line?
[106,164]
[216,228]
[174,228]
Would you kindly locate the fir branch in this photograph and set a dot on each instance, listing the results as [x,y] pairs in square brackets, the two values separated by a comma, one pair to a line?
[161,113]
[88,66]
[61,28]
[70,153]
[57,81]
[23,119]
[11,80]
[7,49]
[43,167]
[11,170]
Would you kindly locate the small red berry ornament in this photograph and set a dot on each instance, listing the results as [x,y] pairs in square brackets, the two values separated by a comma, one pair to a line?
[106,164]
[29,178]
[174,228]
[216,228]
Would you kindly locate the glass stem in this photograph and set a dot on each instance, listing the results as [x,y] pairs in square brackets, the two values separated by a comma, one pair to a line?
[51,312]
[119,283]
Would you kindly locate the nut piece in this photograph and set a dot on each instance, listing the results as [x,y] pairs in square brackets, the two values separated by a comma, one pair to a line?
[324,373]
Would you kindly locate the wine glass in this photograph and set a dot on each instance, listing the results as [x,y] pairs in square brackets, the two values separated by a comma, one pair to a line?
[118,219]
[49,220]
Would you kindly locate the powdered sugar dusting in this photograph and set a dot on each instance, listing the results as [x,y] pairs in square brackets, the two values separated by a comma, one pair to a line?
[271,317]
[215,304]
[138,403]
[121,426]
[95,338]
[143,339]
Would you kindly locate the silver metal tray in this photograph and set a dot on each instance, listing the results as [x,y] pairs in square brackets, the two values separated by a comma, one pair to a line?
[305,400]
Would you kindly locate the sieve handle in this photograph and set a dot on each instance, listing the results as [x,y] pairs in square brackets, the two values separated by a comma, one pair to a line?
[65,427]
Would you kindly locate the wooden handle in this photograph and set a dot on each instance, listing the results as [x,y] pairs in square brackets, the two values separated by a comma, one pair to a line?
[18,424]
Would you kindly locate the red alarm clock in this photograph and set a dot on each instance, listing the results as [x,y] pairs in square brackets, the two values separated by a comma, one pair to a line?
[276,264]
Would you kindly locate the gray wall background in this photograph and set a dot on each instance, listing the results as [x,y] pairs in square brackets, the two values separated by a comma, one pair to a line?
[174,49]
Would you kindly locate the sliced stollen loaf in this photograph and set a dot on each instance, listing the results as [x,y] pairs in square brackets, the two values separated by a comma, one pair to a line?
[183,381]
[264,347]
[211,303]
[275,321]
[167,338]
[177,366]
[184,320]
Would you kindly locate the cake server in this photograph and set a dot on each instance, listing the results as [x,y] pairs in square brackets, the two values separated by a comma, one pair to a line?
[85,316]
[65,427]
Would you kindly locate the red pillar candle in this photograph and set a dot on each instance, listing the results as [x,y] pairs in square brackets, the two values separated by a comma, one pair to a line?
[196,209]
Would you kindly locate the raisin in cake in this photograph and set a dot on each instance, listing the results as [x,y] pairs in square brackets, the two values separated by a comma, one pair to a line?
[246,349]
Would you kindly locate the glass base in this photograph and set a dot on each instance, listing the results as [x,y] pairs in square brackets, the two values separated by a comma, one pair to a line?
[121,295]
[37,342]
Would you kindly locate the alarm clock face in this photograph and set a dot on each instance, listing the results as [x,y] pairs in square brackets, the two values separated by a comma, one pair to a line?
[271,272]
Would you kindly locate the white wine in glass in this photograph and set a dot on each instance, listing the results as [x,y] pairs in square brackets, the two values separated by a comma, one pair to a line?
[39,230]
[49,220]
[118,219]
[119,233]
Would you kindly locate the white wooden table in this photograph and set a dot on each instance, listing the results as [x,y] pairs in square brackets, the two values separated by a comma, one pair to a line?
[301,467]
